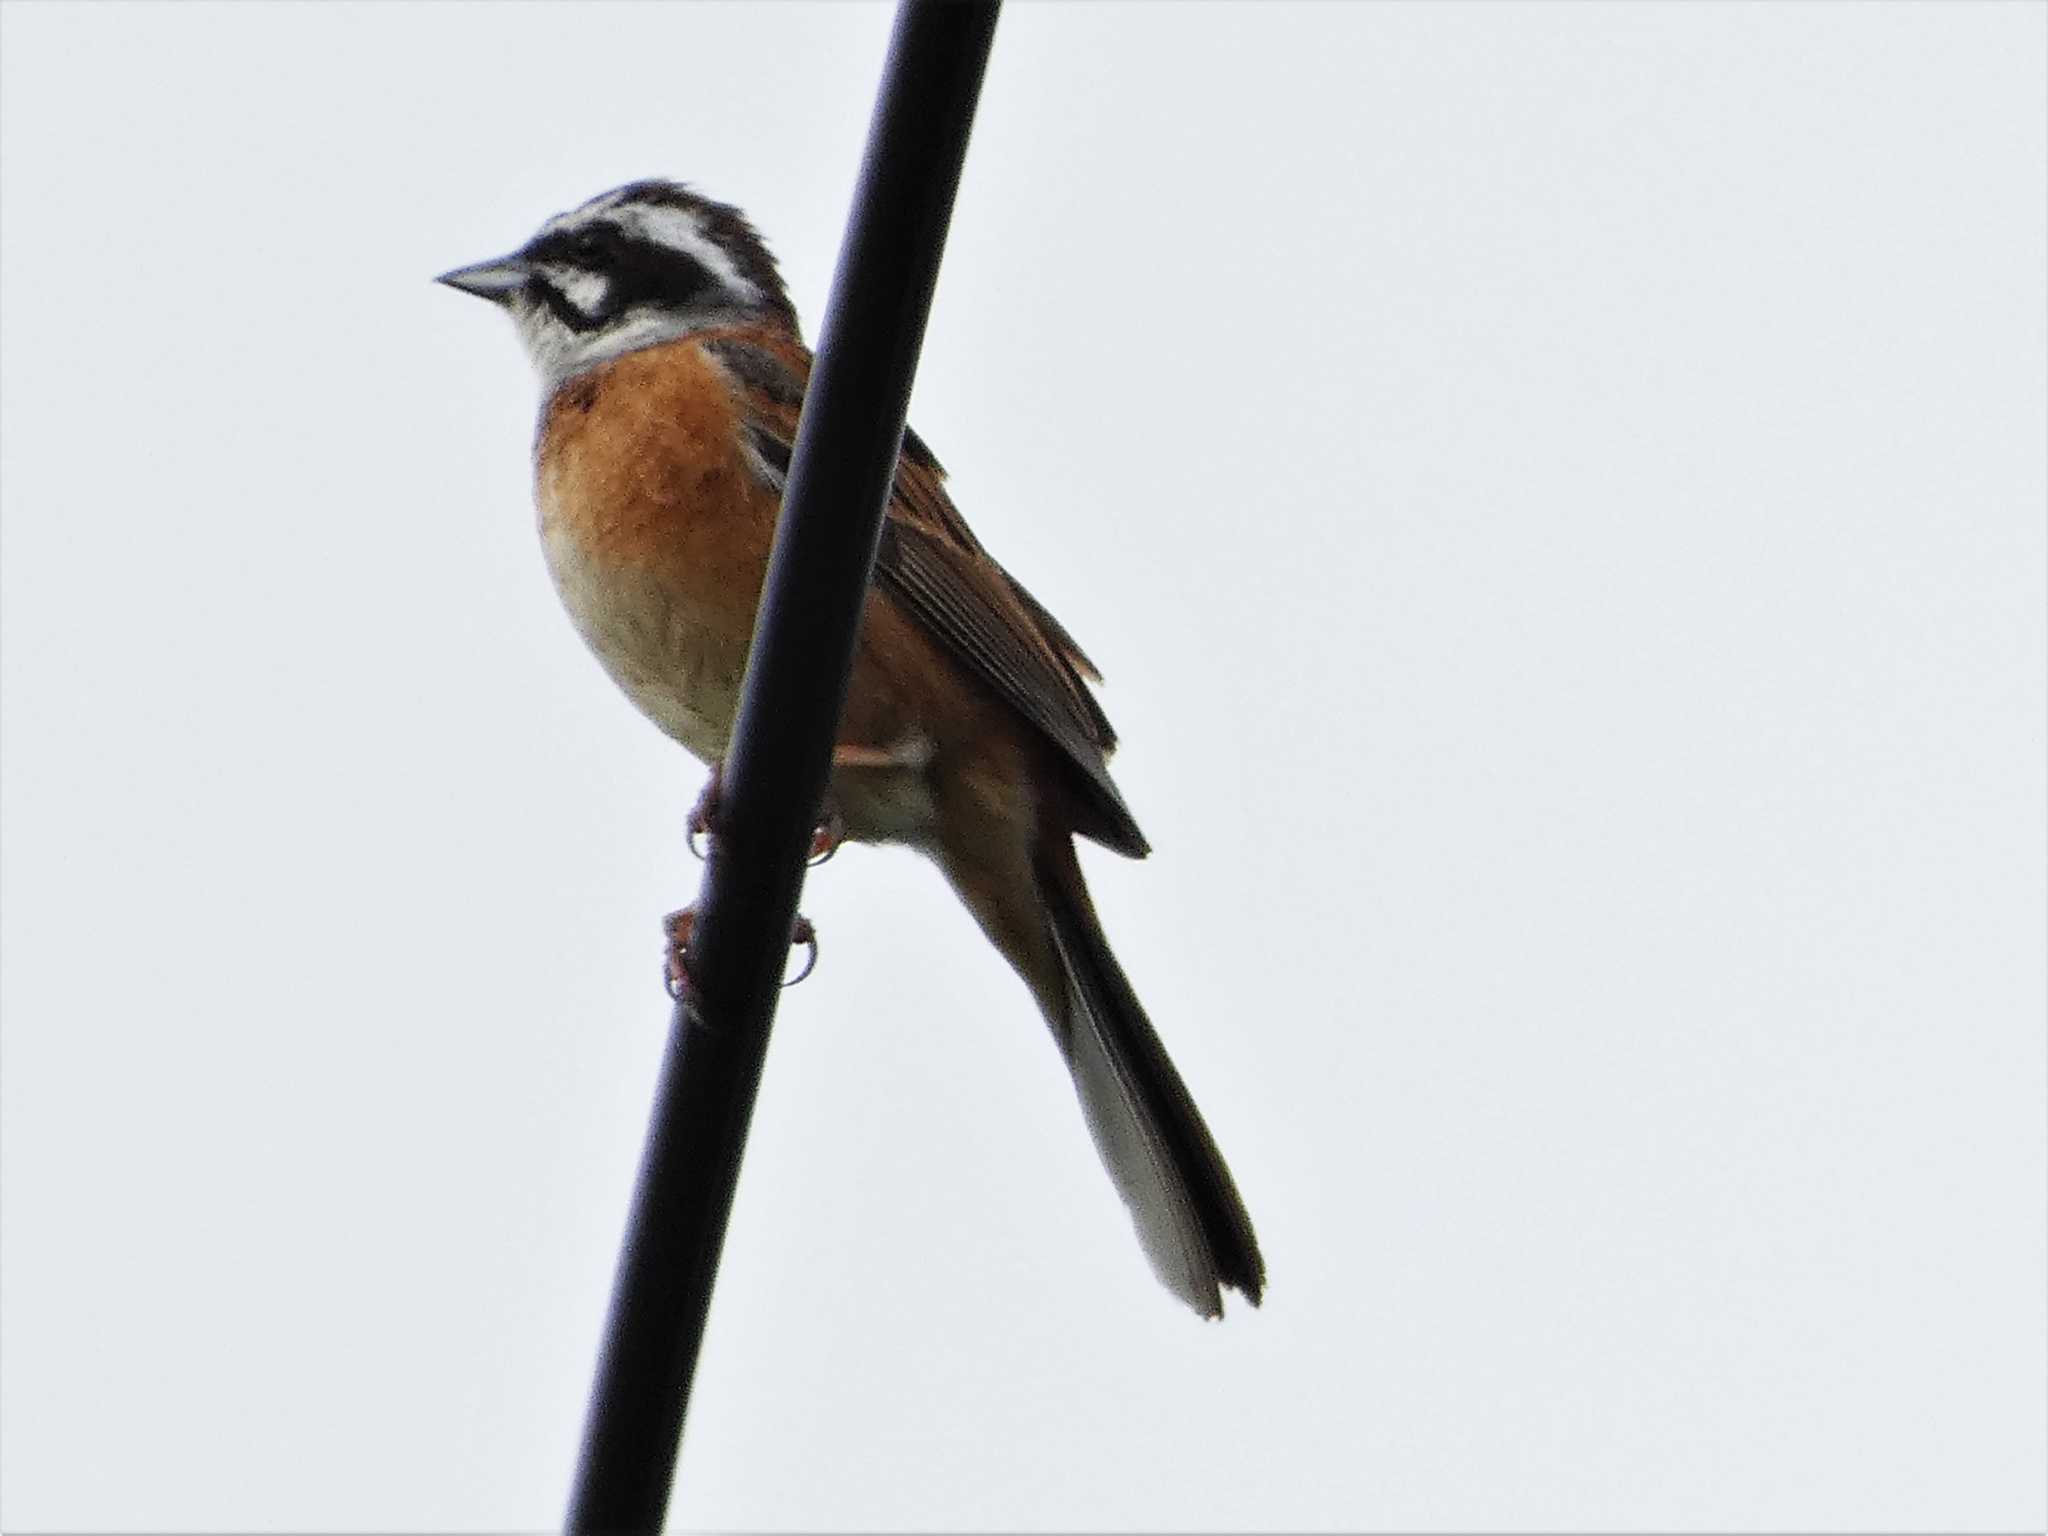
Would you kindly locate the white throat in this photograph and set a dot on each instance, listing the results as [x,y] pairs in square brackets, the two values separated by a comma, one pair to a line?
[560,354]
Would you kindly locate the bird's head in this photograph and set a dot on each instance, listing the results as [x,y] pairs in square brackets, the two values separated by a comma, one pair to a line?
[631,268]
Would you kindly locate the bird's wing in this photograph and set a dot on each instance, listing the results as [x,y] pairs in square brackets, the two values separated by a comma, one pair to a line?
[930,562]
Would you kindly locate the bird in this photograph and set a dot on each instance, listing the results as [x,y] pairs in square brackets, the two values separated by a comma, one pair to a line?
[672,372]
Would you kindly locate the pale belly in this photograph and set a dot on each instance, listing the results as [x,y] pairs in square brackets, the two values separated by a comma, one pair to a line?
[683,673]
[672,662]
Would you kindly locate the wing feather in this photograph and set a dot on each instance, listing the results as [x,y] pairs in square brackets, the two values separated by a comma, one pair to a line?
[930,561]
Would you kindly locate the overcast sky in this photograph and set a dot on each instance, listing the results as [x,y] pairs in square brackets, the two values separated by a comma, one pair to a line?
[1558,495]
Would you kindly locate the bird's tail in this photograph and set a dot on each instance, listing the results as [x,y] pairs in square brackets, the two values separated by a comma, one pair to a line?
[1193,1225]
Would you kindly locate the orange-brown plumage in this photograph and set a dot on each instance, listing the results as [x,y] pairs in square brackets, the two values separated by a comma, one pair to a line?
[675,378]
[658,533]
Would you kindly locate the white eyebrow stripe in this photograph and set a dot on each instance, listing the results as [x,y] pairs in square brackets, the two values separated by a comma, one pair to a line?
[674,228]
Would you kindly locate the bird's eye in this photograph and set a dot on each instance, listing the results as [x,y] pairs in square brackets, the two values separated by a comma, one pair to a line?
[587,246]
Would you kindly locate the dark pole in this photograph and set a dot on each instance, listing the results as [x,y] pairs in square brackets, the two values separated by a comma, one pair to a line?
[776,771]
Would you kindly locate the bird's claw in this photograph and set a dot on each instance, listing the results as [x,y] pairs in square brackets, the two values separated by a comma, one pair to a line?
[803,932]
[703,820]
[826,837]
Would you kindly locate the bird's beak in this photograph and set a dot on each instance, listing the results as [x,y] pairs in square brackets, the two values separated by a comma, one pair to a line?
[496,280]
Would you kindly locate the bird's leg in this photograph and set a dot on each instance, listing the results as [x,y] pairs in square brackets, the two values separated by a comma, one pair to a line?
[679,926]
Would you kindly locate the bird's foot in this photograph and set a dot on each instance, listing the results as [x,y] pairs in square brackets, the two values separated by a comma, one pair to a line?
[678,928]
[675,969]
[703,823]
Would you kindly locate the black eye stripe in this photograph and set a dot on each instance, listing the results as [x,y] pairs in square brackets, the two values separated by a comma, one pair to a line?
[598,238]
[647,272]
[558,247]
[637,271]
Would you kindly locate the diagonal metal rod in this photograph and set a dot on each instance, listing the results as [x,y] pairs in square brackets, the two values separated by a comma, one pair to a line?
[776,771]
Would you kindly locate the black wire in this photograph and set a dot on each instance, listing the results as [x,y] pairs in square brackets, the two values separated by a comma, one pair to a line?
[776,772]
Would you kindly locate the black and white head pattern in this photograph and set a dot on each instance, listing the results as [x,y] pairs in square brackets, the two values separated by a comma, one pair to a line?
[637,266]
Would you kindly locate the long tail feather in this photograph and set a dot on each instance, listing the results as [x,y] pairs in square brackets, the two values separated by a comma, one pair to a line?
[1193,1225]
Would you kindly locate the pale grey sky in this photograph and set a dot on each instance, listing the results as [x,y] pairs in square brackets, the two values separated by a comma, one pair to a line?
[1558,495]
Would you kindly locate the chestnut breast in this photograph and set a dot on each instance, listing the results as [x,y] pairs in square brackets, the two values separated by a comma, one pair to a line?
[657,533]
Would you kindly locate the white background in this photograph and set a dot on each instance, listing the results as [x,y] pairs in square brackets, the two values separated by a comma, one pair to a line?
[1558,494]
